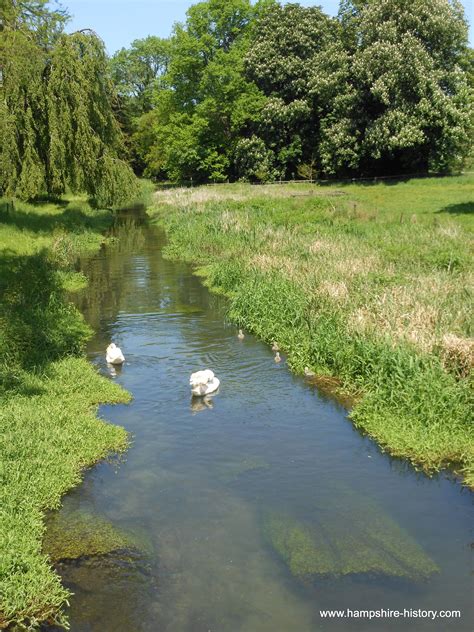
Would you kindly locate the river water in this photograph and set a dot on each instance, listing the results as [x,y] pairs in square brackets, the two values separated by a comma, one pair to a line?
[217,493]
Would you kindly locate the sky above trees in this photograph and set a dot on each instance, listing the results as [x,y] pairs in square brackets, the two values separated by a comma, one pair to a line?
[119,22]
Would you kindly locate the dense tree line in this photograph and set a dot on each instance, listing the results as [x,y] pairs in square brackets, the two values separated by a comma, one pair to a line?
[260,91]
[58,131]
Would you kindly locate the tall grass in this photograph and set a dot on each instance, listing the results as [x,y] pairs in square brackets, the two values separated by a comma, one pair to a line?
[368,284]
[48,394]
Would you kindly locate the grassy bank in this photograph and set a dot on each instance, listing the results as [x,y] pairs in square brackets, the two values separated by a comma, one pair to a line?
[48,393]
[367,283]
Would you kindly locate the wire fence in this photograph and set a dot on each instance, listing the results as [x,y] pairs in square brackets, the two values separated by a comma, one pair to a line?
[318,181]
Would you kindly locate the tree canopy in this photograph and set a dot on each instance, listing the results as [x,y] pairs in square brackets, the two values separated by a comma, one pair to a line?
[403,100]
[262,91]
[240,90]
[57,128]
[136,71]
[204,99]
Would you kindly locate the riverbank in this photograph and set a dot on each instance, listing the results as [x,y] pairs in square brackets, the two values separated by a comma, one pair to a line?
[48,393]
[369,284]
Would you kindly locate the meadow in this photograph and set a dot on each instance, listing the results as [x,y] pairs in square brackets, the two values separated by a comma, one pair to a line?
[368,285]
[48,393]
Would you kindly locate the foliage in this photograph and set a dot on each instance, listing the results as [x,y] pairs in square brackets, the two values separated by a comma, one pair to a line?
[203,102]
[384,88]
[401,98]
[137,72]
[57,129]
[44,19]
[253,161]
[281,60]
[368,284]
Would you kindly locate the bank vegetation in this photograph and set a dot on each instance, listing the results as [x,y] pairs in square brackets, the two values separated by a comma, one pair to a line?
[49,394]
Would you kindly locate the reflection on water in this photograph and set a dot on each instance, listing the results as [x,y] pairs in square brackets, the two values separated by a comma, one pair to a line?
[201,403]
[255,508]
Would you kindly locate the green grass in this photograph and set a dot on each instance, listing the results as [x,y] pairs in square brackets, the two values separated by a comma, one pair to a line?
[48,394]
[39,244]
[50,433]
[68,225]
[368,283]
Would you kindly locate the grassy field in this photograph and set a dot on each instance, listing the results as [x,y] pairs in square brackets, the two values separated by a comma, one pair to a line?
[369,285]
[48,394]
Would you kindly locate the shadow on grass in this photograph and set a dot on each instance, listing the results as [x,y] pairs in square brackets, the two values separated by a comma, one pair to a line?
[42,200]
[18,382]
[464,208]
[72,218]
[37,324]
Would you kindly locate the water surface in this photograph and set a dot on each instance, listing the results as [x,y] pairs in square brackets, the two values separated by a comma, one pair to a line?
[200,477]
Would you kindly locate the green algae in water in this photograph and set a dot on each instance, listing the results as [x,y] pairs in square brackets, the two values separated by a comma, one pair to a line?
[78,534]
[371,542]
[97,561]
[123,578]
[232,470]
[186,309]
[297,546]
[359,541]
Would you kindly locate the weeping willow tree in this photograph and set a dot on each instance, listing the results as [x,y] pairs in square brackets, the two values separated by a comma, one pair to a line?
[57,128]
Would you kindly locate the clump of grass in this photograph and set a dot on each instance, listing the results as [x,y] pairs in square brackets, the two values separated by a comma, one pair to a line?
[458,354]
[147,192]
[348,287]
[72,281]
[37,323]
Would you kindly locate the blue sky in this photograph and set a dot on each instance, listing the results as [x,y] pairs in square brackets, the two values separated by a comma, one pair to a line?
[119,22]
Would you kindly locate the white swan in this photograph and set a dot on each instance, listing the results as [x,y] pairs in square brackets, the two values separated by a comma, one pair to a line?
[114,354]
[275,346]
[240,335]
[277,357]
[308,372]
[203,382]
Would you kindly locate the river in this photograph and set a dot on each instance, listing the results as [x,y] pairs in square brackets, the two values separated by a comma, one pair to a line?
[218,492]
